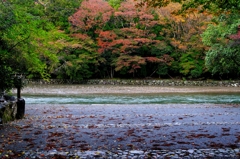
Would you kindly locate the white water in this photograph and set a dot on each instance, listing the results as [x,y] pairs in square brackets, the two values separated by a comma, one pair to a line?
[136,99]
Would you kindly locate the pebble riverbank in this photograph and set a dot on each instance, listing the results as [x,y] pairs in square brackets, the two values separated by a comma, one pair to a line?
[139,82]
[226,153]
[208,153]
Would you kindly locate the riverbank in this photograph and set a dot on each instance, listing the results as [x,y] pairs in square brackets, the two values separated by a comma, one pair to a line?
[139,82]
[196,131]
[119,89]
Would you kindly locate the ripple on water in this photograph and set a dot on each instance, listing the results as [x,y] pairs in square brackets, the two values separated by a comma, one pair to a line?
[136,99]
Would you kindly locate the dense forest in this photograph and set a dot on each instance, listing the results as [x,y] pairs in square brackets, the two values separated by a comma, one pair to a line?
[82,39]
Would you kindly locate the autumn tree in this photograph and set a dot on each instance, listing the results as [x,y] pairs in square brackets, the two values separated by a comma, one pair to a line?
[218,57]
[213,6]
[91,16]
[183,32]
[133,41]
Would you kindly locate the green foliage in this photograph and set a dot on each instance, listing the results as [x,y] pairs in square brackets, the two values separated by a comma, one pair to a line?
[78,60]
[210,5]
[6,81]
[29,44]
[162,70]
[222,57]
[58,11]
[115,3]
[36,39]
[223,60]
[191,65]
[7,17]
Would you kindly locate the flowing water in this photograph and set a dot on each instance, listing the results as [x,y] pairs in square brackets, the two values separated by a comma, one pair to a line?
[227,98]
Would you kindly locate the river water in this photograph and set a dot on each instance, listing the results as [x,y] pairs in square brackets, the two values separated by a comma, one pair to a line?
[191,98]
[109,94]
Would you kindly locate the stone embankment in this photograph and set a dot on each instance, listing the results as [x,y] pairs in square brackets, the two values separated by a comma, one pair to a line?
[139,82]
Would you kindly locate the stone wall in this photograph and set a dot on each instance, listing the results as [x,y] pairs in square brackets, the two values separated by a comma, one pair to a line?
[150,82]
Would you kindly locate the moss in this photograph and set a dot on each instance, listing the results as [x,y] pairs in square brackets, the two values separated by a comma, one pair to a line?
[7,114]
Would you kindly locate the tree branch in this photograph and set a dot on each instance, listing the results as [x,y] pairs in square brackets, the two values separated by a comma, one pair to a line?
[10,49]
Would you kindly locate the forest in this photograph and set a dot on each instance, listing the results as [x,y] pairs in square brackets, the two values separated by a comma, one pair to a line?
[83,39]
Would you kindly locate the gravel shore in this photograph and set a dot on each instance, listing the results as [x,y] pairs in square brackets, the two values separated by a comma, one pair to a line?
[199,130]
[113,89]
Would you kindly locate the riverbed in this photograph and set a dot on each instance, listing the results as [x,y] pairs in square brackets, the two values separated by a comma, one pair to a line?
[108,94]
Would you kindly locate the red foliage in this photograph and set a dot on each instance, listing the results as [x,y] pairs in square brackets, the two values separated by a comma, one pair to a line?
[80,36]
[129,12]
[131,35]
[236,36]
[130,62]
[91,13]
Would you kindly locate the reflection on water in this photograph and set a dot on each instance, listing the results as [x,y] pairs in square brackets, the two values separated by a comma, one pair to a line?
[136,99]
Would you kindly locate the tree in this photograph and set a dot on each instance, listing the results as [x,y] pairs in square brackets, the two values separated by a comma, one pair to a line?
[133,43]
[91,16]
[213,6]
[58,11]
[29,43]
[183,35]
[78,59]
[7,19]
[223,39]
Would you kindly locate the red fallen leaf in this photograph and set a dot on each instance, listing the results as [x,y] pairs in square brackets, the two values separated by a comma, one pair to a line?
[130,132]
[226,134]
[183,142]
[156,145]
[156,141]
[50,146]
[216,145]
[55,134]
[92,126]
[167,144]
[28,139]
[200,135]
[38,132]
[130,145]
[71,138]
[120,139]
[157,127]
[110,135]
[25,126]
[52,140]
[138,140]
[211,136]
[226,129]
[75,141]
[31,145]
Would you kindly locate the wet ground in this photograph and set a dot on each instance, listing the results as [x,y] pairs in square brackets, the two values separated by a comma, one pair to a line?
[121,126]
[63,127]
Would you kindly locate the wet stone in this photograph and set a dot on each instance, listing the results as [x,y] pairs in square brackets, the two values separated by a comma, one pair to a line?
[138,154]
[237,150]
[135,152]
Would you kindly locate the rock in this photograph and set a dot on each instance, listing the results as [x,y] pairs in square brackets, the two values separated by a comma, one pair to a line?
[8,111]
[136,152]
